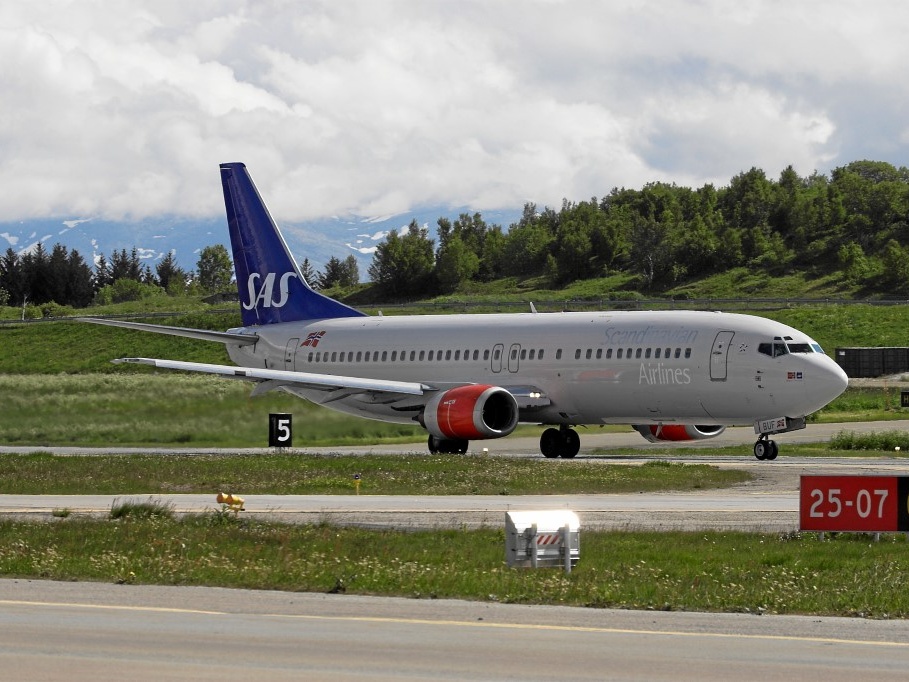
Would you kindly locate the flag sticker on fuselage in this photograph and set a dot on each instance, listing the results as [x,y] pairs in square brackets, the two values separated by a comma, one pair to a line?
[794,376]
[313,339]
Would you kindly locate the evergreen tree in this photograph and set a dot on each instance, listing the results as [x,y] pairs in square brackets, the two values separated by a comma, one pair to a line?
[170,276]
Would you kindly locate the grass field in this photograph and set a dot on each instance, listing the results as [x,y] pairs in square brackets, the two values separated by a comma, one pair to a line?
[284,474]
[733,572]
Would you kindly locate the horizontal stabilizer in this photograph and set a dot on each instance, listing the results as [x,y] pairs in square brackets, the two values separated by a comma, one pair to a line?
[203,334]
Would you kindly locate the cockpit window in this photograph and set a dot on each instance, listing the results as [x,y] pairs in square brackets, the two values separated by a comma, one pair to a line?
[800,348]
[774,350]
[818,349]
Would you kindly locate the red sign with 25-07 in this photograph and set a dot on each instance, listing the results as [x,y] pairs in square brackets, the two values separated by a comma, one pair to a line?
[854,503]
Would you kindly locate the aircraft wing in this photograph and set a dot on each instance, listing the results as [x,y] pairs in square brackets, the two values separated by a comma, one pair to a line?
[203,334]
[276,378]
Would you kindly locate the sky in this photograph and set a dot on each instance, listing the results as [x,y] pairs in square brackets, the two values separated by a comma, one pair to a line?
[123,110]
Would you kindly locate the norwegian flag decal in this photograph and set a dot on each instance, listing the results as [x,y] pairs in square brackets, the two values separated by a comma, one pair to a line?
[313,339]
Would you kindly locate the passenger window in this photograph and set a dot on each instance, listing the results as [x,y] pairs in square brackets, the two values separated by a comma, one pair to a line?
[318,357]
[486,354]
[608,353]
[413,355]
[577,354]
[638,354]
[656,355]
[559,354]
[647,354]
[619,354]
[422,355]
[457,355]
[599,353]
[334,357]
[589,353]
[533,353]
[476,355]
[359,355]
[668,353]
[309,359]
[678,353]
[384,355]
[540,355]
[687,353]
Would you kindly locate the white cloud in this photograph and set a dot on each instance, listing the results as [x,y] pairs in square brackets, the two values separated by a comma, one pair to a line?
[125,109]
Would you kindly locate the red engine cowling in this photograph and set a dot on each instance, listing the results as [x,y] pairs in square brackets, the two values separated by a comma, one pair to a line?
[471,412]
[657,433]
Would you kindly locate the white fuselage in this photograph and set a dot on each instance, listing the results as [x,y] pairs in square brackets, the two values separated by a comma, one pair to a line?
[589,368]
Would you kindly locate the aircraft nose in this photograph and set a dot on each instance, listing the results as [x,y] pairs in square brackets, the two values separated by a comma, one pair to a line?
[833,380]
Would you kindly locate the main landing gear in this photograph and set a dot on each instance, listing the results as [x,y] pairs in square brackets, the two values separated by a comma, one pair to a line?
[563,442]
[766,448]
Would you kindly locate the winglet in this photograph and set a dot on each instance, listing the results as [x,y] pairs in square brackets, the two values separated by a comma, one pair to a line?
[272,288]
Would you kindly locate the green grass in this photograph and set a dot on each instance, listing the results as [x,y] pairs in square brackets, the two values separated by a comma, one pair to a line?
[168,408]
[284,474]
[732,572]
[863,404]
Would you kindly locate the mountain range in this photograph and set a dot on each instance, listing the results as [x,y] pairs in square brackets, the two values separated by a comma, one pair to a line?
[317,240]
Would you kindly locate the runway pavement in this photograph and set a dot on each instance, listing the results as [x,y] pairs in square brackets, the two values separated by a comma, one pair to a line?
[89,631]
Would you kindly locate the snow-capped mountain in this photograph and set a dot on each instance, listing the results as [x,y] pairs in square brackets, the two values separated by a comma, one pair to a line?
[316,240]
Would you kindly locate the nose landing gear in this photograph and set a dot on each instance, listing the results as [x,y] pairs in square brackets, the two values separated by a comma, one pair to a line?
[766,448]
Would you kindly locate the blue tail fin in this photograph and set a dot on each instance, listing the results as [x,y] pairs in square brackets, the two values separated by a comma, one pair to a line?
[271,287]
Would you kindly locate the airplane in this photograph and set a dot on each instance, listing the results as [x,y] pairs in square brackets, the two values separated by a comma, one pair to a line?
[672,375]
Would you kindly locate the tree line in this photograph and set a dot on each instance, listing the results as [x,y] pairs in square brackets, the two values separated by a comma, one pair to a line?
[856,221]
[62,277]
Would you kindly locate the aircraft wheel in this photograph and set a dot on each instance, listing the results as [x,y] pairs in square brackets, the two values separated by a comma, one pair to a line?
[550,443]
[433,445]
[571,444]
[773,450]
[760,449]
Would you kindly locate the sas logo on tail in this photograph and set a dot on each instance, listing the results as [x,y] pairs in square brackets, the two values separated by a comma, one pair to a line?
[313,339]
[264,293]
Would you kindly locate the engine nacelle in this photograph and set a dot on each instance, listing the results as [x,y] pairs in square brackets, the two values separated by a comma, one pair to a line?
[657,433]
[471,412]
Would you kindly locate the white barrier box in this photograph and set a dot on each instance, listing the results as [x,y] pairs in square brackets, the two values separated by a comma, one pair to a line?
[536,539]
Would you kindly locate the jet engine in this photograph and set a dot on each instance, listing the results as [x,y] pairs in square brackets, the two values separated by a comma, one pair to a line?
[657,433]
[471,412]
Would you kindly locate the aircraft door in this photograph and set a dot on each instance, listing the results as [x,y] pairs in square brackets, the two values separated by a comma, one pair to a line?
[514,358]
[719,355]
[497,351]
[290,354]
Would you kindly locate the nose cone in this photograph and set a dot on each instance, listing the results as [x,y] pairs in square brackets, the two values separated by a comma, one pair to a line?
[828,381]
